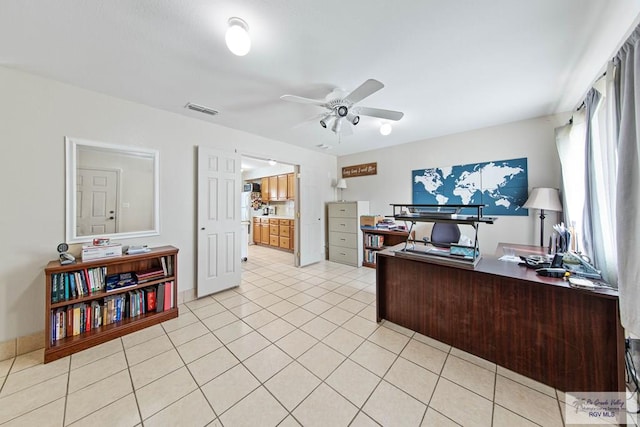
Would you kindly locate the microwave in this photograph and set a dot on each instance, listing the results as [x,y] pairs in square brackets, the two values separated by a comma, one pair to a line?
[253,187]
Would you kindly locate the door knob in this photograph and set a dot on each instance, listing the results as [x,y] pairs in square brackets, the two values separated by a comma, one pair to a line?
[111,217]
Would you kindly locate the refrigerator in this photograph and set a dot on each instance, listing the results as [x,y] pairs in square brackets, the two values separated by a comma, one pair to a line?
[245,223]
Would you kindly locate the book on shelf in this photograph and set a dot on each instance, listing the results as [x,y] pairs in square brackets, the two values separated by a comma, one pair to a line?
[160,298]
[151,299]
[168,287]
[150,274]
[163,261]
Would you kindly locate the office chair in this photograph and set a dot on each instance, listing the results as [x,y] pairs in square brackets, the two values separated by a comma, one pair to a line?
[443,234]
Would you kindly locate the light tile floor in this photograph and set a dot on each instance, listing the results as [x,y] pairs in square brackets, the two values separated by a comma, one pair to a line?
[288,347]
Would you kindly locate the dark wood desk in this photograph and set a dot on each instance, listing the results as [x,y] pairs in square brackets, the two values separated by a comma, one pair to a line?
[567,338]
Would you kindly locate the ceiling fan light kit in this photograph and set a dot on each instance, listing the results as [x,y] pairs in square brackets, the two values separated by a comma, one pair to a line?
[237,37]
[345,107]
[385,129]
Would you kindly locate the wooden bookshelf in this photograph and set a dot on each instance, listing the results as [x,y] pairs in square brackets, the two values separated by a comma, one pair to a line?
[376,239]
[69,344]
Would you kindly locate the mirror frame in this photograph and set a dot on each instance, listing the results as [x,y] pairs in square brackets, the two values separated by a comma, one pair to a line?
[71,149]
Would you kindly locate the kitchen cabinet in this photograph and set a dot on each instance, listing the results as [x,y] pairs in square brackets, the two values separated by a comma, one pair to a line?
[291,230]
[256,230]
[278,187]
[283,233]
[264,231]
[291,189]
[273,188]
[264,189]
[274,232]
[282,187]
[274,236]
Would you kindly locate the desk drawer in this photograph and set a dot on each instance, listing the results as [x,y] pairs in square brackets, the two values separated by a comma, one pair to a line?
[345,240]
[343,255]
[349,225]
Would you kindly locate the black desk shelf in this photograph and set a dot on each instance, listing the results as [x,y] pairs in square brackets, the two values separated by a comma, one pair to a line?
[441,213]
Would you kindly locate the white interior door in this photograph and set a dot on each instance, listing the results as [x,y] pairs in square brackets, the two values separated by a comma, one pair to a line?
[219,229]
[97,199]
[310,220]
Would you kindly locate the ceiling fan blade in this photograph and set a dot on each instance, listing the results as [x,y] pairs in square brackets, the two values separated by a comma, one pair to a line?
[382,114]
[301,100]
[364,90]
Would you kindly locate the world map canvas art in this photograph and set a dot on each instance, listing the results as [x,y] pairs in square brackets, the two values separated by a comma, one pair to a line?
[501,185]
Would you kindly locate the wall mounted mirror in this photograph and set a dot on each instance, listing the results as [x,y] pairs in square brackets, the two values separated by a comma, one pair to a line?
[111,191]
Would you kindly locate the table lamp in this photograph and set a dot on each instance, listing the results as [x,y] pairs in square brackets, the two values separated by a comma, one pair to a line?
[544,199]
[342,184]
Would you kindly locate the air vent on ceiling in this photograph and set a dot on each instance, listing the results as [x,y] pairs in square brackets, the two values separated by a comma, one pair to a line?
[201,109]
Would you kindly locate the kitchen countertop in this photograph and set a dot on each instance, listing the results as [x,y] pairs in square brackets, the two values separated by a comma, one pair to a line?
[274,216]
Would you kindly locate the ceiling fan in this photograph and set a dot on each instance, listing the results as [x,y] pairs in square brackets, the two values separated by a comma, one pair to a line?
[343,108]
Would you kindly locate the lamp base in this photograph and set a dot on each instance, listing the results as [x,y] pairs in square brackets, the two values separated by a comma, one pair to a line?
[542,217]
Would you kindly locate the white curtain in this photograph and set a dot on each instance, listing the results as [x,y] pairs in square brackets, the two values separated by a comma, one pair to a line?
[600,191]
[570,144]
[602,176]
[627,84]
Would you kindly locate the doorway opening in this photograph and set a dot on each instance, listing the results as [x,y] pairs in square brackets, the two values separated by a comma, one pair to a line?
[269,206]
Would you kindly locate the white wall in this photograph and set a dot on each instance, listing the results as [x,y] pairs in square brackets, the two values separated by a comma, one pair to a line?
[278,169]
[36,114]
[533,139]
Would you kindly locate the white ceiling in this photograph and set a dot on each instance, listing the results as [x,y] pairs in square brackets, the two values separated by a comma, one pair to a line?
[450,66]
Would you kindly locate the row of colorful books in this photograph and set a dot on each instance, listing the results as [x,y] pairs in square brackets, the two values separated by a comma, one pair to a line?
[370,256]
[79,318]
[75,284]
[374,240]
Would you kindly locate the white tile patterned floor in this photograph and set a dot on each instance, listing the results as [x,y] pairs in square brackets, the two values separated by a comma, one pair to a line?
[288,347]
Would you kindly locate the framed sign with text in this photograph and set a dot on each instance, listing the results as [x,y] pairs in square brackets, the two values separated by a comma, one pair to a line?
[360,170]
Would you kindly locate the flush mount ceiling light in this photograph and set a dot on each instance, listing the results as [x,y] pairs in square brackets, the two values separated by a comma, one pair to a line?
[272,162]
[237,37]
[385,129]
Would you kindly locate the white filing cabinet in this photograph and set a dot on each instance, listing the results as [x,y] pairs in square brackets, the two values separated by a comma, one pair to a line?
[345,237]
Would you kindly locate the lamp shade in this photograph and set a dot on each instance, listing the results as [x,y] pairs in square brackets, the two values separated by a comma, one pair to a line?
[543,198]
[342,184]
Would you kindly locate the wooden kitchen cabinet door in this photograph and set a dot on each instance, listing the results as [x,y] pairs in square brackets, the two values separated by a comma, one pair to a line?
[273,188]
[264,234]
[291,189]
[282,187]
[264,189]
